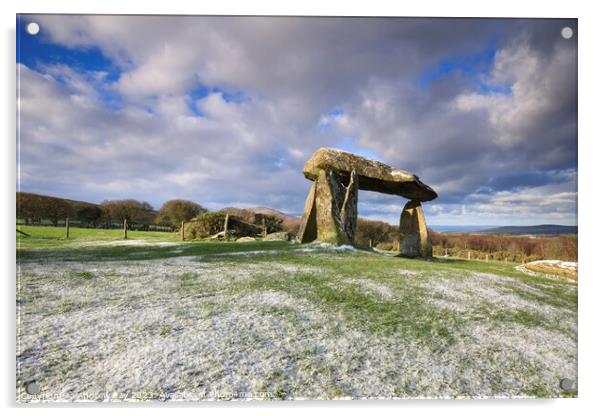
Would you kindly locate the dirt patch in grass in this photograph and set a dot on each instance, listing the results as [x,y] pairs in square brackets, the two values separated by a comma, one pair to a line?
[553,268]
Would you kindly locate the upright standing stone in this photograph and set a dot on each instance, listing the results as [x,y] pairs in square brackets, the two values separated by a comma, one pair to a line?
[329,197]
[330,210]
[349,207]
[336,208]
[308,231]
[414,240]
[226,220]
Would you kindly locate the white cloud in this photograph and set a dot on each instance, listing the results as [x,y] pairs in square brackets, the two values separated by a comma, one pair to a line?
[292,73]
[540,87]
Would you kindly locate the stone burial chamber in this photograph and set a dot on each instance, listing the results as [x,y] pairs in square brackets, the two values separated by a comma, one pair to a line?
[330,213]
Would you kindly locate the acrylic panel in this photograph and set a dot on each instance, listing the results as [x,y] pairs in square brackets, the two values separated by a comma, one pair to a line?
[290,208]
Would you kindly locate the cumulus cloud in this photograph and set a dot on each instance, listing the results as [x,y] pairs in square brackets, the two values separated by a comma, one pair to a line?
[542,89]
[225,110]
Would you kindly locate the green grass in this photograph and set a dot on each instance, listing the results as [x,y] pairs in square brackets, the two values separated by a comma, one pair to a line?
[48,243]
[337,283]
[85,244]
[56,236]
[165,330]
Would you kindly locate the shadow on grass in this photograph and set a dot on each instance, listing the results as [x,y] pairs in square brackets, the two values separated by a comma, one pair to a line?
[446,260]
[147,252]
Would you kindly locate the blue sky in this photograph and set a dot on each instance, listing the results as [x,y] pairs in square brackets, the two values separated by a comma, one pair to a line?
[224,111]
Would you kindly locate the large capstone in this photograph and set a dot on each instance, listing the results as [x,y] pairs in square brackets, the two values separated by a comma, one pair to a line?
[371,174]
[414,240]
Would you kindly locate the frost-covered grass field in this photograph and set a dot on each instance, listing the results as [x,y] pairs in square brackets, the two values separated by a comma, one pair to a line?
[152,318]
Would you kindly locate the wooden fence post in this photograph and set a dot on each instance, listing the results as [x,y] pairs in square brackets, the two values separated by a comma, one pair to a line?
[226,225]
[67,227]
[125,229]
[182,230]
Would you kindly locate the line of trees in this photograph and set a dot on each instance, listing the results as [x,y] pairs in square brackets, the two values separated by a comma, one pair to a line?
[379,234]
[42,209]
[478,246]
[501,247]
[33,208]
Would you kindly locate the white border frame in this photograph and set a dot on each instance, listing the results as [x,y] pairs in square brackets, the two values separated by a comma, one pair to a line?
[590,158]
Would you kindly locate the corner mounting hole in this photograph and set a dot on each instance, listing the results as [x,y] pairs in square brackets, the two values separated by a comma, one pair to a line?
[32,388]
[566,32]
[33,28]
[567,384]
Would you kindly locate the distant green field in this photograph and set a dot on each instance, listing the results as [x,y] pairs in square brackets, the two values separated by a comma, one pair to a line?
[155,316]
[56,236]
[75,233]
[88,244]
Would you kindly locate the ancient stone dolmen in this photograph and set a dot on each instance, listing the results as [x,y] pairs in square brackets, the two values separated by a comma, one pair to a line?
[330,213]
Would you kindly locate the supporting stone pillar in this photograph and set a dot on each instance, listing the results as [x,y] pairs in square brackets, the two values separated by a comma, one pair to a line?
[308,230]
[330,213]
[414,240]
[348,208]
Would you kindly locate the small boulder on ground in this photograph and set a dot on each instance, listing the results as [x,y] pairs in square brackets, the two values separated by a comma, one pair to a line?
[278,236]
[221,234]
[245,240]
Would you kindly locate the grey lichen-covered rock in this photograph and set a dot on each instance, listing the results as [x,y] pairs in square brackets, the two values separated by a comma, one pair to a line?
[330,210]
[414,240]
[349,207]
[278,236]
[371,174]
[336,208]
[308,230]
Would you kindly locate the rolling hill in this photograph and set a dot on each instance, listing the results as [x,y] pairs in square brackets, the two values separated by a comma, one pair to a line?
[544,229]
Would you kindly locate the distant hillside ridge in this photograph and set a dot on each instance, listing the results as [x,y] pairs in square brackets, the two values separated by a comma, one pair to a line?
[274,212]
[49,199]
[75,204]
[543,229]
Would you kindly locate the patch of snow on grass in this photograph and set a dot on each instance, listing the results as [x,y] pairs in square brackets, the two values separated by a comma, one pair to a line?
[489,292]
[371,287]
[251,253]
[138,243]
[318,245]
[195,330]
[409,273]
